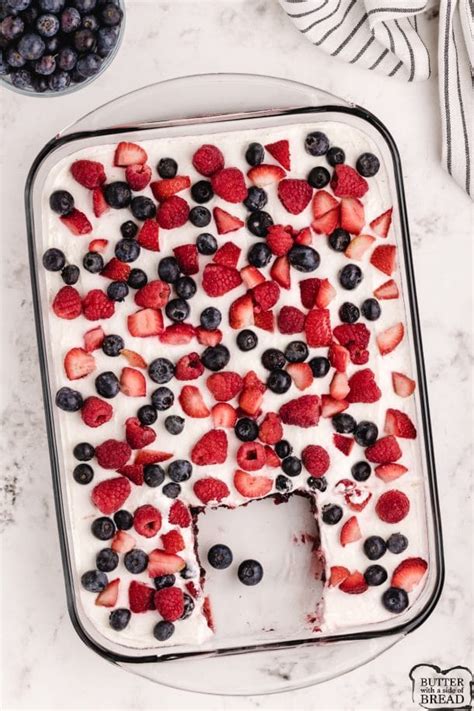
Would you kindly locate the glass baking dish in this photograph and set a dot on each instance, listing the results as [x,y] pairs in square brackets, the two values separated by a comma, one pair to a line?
[199,106]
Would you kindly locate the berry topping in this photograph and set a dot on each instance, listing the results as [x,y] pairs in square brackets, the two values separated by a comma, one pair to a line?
[210,449]
[302,412]
[111,494]
[385,451]
[250,572]
[280,150]
[147,520]
[169,602]
[398,423]
[392,506]
[294,195]
[113,454]
[209,490]
[67,303]
[252,486]
[208,160]
[229,184]
[346,183]
[172,213]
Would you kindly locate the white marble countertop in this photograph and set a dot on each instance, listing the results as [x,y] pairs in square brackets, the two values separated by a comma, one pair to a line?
[44,664]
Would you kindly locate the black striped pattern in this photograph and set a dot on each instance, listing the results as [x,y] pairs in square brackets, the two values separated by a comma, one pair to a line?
[383,35]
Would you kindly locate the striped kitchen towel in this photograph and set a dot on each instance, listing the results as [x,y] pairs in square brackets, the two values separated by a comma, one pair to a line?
[385,35]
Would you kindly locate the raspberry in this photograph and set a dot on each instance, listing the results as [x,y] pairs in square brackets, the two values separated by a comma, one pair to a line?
[187,258]
[303,411]
[97,305]
[279,239]
[172,213]
[208,160]
[88,173]
[227,255]
[138,435]
[266,295]
[270,430]
[346,182]
[147,521]
[173,541]
[224,385]
[113,454]
[179,515]
[315,459]
[134,472]
[363,387]
[318,328]
[170,603]
[290,320]
[210,489]
[67,303]
[352,333]
[148,237]
[210,449]
[359,356]
[392,506]
[153,295]
[110,495]
[140,597]
[309,290]
[251,456]
[189,367]
[385,451]
[229,184]
[95,412]
[294,195]
[218,280]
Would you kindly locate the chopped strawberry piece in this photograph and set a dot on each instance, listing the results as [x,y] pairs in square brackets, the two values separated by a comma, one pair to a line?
[303,411]
[390,472]
[290,320]
[326,224]
[88,173]
[172,213]
[339,357]
[110,495]
[359,356]
[398,423]
[189,367]
[402,384]
[346,182]
[149,236]
[280,150]
[116,270]
[134,358]
[318,328]
[280,272]
[331,406]
[251,380]
[389,339]
[295,195]
[173,541]
[392,506]
[271,458]
[251,456]
[132,383]
[218,280]
[153,295]
[123,542]
[359,246]
[279,239]
[252,486]
[315,459]
[76,222]
[265,174]
[151,456]
[145,323]
[210,490]
[323,202]
[95,411]
[208,160]
[147,520]
[325,294]
[93,339]
[381,224]
[339,387]
[304,237]
[301,374]
[170,603]
[192,402]
[265,295]
[138,176]
[113,454]
[352,215]
[133,472]
[337,575]
[78,363]
[343,444]
[164,189]
[350,531]
[408,574]
[308,291]
[140,597]
[187,258]
[138,435]
[179,334]
[97,305]
[67,303]
[223,415]
[383,258]
[270,430]
[109,595]
[241,312]
[208,338]
[251,276]
[250,400]
[225,222]
[388,290]
[128,153]
[265,320]
[179,515]
[229,184]
[98,245]
[354,584]
[99,204]
[227,255]
[384,451]
[224,385]
[363,387]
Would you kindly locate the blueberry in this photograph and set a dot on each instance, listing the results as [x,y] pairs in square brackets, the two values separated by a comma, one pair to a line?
[256,199]
[162,399]
[174,424]
[283,484]
[395,600]
[83,451]
[202,191]
[127,250]
[273,358]
[210,318]
[316,143]
[292,465]
[343,423]
[52,46]
[143,208]
[112,345]
[107,384]
[339,240]
[185,287]
[129,229]
[163,630]
[147,415]
[83,474]
[318,483]
[258,223]
[59,81]
[215,357]
[168,269]
[12,27]
[137,278]
[153,475]
[21,79]
[246,429]
[164,581]
[117,290]
[259,255]
[332,514]
[366,433]
[54,260]
[172,491]
[84,40]
[68,399]
[87,66]
[254,154]
[106,560]
[67,58]
[111,15]
[15,59]
[397,543]
[119,618]
[319,366]
[161,370]
[279,381]
[220,556]
[70,21]
[117,194]
[135,561]
[368,165]
[350,276]
[349,313]
[283,448]
[93,262]
[318,177]
[53,6]
[374,547]
[90,22]
[106,40]
[371,309]
[335,156]
[123,520]
[304,258]
[180,470]
[361,471]
[247,340]
[167,168]
[199,216]
[188,606]
[61,202]
[94,581]
[103,528]
[375,575]
[206,244]
[85,6]
[296,352]
[40,85]
[31,46]
[47,25]
[250,572]
[177,310]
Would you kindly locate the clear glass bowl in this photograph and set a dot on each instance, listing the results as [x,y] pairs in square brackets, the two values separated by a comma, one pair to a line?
[106,62]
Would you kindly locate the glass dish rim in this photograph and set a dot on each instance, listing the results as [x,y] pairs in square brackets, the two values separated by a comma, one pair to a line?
[428,608]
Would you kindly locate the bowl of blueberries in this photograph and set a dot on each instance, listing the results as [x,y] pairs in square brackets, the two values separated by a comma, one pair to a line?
[53,47]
